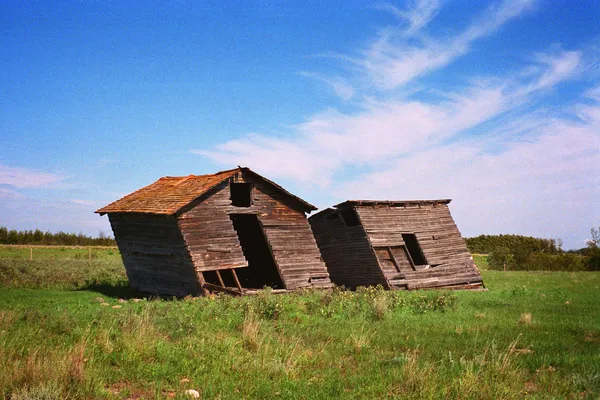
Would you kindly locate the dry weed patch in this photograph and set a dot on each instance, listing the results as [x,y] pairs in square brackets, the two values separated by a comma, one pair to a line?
[526,319]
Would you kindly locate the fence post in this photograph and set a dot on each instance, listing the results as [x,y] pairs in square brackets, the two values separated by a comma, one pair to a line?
[30,253]
[90,253]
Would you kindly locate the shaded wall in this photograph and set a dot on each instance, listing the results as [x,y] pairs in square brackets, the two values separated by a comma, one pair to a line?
[154,253]
[346,251]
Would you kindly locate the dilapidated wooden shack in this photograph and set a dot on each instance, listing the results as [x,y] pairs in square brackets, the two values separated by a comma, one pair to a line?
[397,244]
[234,231]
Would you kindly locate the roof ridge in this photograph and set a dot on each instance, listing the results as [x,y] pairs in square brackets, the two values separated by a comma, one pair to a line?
[170,194]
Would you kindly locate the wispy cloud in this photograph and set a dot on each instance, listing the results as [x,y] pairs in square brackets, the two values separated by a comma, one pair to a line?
[87,203]
[27,178]
[554,171]
[391,61]
[417,14]
[558,67]
[24,213]
[6,193]
[341,88]
[385,129]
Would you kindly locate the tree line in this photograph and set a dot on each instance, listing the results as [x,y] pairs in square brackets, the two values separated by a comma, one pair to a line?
[13,236]
[516,252]
[485,244]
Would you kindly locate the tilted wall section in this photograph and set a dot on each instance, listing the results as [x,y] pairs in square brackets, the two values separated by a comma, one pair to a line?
[213,243]
[439,238]
[208,232]
[346,251]
[154,253]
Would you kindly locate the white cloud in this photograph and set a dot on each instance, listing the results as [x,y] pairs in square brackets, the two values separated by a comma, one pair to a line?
[6,193]
[417,14]
[87,203]
[382,130]
[547,184]
[58,215]
[341,88]
[557,68]
[593,93]
[392,62]
[27,178]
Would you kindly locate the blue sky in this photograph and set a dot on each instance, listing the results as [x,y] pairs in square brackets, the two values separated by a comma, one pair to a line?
[495,105]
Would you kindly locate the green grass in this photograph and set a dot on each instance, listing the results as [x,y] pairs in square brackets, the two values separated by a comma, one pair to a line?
[58,252]
[530,334]
[481,261]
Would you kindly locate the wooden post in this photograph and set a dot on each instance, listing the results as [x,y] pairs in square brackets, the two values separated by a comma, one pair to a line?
[30,253]
[504,267]
[90,253]
[205,291]
[220,278]
[237,281]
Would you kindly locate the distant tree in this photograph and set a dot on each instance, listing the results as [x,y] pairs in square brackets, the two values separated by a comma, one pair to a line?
[501,258]
[60,238]
[593,250]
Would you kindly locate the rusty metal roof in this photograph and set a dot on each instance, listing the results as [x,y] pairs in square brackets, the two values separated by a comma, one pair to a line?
[171,193]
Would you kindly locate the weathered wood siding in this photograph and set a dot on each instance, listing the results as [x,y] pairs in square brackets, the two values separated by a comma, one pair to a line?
[154,254]
[438,237]
[213,242]
[291,240]
[347,253]
[209,234]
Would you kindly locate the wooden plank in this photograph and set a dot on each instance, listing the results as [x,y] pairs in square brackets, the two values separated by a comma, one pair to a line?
[219,277]
[237,281]
[202,283]
[217,288]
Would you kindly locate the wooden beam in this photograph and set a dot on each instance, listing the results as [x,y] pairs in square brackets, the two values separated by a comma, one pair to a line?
[412,263]
[220,279]
[237,281]
[209,286]
[393,258]
[202,283]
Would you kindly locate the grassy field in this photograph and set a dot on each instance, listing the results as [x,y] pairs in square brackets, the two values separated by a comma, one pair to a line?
[24,252]
[74,329]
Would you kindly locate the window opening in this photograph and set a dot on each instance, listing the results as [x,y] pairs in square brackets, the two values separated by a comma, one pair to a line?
[393,258]
[414,250]
[262,270]
[349,217]
[241,194]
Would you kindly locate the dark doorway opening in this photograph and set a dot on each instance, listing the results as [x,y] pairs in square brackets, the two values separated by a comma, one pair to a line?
[414,250]
[261,270]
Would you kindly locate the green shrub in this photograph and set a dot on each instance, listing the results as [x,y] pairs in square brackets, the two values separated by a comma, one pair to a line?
[537,261]
[484,244]
[501,258]
[555,262]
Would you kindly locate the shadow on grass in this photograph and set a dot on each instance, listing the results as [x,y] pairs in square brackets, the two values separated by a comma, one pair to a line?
[122,290]
[115,290]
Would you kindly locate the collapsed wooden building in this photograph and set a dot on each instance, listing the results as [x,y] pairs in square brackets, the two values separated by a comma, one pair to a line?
[234,231]
[397,244]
